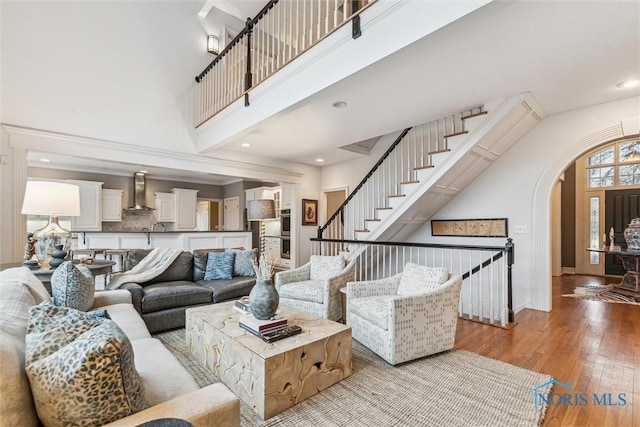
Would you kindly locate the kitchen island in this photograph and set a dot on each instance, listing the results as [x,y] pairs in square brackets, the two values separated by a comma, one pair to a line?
[184,240]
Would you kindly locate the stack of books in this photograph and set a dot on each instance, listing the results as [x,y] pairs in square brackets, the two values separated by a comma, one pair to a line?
[261,327]
[242,305]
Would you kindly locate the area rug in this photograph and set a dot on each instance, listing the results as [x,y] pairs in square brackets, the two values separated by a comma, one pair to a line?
[455,388]
[605,294]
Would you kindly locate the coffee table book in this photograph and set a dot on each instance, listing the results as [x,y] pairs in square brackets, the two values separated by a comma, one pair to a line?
[242,305]
[265,331]
[248,321]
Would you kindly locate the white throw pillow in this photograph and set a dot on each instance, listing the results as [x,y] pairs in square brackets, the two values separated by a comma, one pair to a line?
[418,279]
[324,267]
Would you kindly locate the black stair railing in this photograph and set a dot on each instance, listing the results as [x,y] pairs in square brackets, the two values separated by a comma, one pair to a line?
[377,259]
[340,211]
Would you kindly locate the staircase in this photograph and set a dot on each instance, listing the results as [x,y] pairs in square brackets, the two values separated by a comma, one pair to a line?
[427,166]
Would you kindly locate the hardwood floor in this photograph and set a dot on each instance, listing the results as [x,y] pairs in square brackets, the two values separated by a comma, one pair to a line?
[595,345]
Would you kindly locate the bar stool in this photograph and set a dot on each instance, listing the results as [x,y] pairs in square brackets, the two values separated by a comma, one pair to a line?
[118,256]
[87,252]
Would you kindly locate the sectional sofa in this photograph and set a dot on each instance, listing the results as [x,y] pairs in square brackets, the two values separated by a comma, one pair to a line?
[169,390]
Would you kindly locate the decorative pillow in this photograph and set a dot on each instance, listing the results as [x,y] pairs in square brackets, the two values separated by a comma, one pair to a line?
[243,262]
[219,266]
[72,286]
[81,368]
[418,279]
[324,267]
[200,262]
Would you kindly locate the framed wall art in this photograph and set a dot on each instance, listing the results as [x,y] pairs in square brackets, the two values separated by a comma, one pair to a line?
[309,212]
[489,227]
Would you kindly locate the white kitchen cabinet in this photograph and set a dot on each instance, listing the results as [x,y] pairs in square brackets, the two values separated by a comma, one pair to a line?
[186,201]
[90,218]
[277,195]
[111,205]
[288,196]
[165,207]
[272,248]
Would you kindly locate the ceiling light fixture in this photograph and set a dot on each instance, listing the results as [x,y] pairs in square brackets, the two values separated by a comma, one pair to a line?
[629,84]
[213,45]
[45,160]
[339,104]
[246,144]
[319,160]
[143,172]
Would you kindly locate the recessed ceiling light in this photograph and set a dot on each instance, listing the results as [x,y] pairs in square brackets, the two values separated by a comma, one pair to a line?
[246,144]
[319,160]
[629,84]
[339,104]
[45,160]
[143,171]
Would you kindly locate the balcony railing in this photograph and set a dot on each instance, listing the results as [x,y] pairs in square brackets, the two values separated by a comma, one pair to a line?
[282,31]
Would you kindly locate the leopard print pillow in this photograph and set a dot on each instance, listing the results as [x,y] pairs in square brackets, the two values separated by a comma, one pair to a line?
[80,367]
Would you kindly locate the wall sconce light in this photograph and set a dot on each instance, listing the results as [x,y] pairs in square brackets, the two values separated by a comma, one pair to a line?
[213,45]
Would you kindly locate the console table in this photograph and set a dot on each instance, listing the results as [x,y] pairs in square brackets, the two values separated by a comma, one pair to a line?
[631,262]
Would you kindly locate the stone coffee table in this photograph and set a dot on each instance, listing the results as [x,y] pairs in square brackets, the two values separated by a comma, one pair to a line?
[269,377]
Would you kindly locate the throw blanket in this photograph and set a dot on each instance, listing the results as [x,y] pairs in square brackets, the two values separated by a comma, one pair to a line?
[150,267]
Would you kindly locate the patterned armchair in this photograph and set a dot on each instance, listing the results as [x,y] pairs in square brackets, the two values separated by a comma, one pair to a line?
[410,315]
[315,286]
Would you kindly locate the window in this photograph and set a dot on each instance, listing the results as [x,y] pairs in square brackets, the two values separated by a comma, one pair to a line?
[604,171]
[594,228]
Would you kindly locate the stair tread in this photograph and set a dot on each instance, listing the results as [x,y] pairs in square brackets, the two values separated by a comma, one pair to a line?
[397,195]
[373,219]
[410,182]
[473,115]
[385,208]
[422,167]
[361,231]
[444,150]
[456,134]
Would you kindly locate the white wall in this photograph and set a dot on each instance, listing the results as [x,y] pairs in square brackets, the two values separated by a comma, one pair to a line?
[508,188]
[118,71]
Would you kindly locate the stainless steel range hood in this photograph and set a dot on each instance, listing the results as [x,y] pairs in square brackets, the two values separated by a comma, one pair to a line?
[139,193]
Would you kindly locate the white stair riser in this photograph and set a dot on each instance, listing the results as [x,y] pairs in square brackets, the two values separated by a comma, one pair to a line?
[394,202]
[471,124]
[384,214]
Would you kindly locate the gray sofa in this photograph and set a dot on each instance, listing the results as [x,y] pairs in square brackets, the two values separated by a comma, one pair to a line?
[170,391]
[163,300]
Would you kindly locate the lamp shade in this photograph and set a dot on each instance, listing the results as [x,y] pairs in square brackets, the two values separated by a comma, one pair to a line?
[261,209]
[51,198]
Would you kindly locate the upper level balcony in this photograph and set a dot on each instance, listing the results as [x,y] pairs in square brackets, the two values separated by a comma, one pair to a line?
[295,50]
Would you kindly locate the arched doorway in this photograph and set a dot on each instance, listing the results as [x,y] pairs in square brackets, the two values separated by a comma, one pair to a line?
[542,201]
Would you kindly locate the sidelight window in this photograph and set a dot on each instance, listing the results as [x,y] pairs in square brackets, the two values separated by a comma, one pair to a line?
[594,228]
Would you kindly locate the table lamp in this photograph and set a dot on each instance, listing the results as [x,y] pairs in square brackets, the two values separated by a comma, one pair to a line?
[54,199]
[259,210]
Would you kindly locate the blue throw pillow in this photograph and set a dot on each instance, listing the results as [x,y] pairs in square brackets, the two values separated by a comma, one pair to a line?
[219,266]
[243,263]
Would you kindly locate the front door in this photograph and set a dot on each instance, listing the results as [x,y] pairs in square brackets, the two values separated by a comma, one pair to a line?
[621,206]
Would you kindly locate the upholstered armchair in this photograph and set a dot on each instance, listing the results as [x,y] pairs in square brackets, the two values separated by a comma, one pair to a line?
[410,315]
[315,286]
